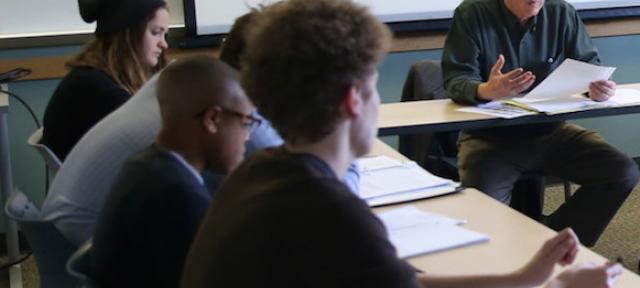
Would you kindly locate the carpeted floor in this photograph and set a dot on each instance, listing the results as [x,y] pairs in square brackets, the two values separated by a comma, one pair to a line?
[621,239]
[622,236]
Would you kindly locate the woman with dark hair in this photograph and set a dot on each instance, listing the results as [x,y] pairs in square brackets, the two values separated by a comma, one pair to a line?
[127,50]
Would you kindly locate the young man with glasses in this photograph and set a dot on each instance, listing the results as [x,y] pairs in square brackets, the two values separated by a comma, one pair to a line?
[158,199]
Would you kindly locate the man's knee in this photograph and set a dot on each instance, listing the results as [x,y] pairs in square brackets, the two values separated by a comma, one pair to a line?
[492,184]
[628,174]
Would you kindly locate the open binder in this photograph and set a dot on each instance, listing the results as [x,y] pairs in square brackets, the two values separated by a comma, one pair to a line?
[384,180]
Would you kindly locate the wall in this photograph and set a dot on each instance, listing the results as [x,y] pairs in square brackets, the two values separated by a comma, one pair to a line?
[28,168]
[32,18]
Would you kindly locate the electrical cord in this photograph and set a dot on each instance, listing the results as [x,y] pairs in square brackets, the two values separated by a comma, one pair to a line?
[8,77]
[26,106]
[35,120]
[38,125]
[7,265]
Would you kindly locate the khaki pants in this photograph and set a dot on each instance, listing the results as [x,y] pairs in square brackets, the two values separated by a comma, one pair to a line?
[570,152]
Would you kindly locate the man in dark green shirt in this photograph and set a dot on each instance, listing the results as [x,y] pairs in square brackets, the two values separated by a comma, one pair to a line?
[501,48]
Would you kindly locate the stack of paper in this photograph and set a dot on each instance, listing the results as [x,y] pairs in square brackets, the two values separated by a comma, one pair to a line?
[414,232]
[384,181]
[560,92]
[623,97]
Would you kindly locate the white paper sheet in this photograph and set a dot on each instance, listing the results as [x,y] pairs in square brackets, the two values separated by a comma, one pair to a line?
[626,97]
[377,162]
[571,77]
[384,181]
[405,178]
[572,103]
[497,109]
[414,232]
[413,195]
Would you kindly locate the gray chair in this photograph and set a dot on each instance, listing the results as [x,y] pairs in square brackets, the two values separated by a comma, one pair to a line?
[79,264]
[437,152]
[50,249]
[52,161]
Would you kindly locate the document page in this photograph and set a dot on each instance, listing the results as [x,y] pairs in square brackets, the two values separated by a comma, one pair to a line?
[384,181]
[408,177]
[578,102]
[497,109]
[571,77]
[414,232]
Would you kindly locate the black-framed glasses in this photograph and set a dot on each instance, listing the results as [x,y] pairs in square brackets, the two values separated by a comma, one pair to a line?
[249,121]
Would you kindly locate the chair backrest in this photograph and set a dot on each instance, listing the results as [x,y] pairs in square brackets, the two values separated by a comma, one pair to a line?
[434,151]
[79,264]
[424,82]
[50,249]
[52,161]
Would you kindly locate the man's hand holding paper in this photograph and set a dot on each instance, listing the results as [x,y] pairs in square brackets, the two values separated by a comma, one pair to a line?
[602,90]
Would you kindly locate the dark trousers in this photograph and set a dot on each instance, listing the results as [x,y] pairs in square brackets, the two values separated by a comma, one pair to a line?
[606,176]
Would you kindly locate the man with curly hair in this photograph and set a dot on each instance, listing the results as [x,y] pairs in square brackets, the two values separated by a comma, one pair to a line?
[284,218]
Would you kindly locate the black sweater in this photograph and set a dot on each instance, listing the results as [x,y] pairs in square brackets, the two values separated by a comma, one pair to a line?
[285,220]
[82,99]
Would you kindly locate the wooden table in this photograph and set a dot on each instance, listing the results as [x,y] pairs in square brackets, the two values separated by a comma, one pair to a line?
[514,237]
[441,115]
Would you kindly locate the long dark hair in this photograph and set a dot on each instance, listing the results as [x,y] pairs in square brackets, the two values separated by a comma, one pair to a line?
[119,55]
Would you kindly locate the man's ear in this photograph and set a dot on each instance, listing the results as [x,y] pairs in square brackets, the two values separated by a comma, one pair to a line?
[353,102]
[211,119]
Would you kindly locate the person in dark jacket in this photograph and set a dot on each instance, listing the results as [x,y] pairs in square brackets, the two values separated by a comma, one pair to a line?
[127,50]
[499,48]
[157,202]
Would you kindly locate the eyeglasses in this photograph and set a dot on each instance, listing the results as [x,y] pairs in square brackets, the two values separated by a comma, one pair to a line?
[249,121]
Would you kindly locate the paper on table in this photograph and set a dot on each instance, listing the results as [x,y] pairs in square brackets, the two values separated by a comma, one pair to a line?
[407,177]
[497,109]
[410,215]
[377,162]
[413,232]
[384,181]
[626,97]
[571,77]
[413,195]
[579,102]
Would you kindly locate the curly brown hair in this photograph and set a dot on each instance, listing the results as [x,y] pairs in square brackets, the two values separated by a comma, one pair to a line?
[234,44]
[301,58]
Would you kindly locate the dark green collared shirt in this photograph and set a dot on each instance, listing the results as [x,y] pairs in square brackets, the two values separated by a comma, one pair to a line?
[484,29]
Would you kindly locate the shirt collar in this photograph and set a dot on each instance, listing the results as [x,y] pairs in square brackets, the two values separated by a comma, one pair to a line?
[512,21]
[190,168]
[314,162]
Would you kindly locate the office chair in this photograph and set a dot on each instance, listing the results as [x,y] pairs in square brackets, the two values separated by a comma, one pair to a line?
[50,249]
[79,264]
[52,161]
[437,152]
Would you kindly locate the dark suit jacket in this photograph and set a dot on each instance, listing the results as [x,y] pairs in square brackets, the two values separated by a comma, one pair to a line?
[148,222]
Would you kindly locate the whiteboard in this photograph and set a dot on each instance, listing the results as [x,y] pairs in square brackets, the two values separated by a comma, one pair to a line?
[217,16]
[34,18]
